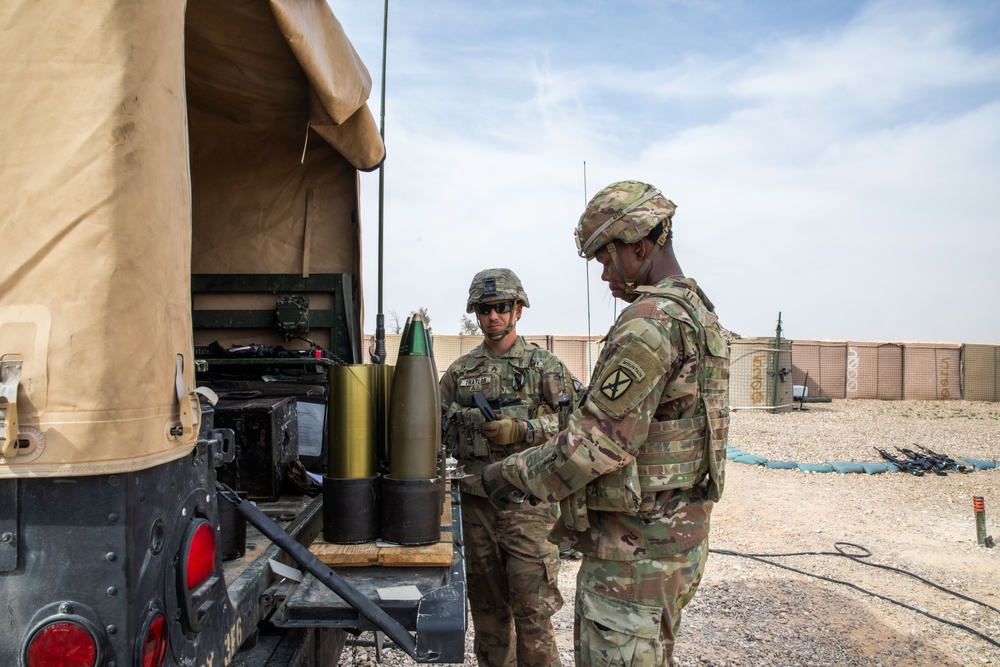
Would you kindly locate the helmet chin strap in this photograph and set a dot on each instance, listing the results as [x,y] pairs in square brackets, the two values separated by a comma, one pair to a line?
[644,268]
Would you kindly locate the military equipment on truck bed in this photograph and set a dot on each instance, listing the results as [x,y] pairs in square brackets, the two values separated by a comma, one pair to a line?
[181,177]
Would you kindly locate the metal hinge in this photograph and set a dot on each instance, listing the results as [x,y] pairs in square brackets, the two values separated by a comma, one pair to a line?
[10,378]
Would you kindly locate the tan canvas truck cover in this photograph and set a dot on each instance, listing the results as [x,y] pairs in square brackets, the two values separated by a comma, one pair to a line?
[103,194]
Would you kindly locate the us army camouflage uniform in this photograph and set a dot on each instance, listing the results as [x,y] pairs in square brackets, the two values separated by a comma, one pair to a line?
[512,569]
[642,423]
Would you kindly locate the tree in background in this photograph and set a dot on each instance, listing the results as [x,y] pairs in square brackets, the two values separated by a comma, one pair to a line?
[397,323]
[397,326]
[468,327]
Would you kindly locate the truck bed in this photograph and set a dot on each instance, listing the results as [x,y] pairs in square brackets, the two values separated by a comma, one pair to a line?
[437,615]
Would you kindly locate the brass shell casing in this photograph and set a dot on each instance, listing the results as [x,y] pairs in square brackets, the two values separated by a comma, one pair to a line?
[353,422]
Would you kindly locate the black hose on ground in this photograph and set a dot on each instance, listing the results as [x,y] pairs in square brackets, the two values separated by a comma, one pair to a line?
[858,554]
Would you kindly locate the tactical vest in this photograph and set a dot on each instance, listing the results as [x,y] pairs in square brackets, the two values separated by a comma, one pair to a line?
[678,453]
[512,390]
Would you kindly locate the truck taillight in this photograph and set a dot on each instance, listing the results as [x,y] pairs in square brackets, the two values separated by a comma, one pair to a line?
[62,644]
[199,555]
[154,646]
[197,579]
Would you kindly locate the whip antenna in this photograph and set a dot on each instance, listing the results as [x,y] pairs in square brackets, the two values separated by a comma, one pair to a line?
[587,269]
[379,355]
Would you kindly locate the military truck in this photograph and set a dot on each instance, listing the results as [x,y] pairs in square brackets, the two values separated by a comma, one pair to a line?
[180,222]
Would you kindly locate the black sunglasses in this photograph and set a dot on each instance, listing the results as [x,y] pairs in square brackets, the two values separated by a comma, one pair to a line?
[501,308]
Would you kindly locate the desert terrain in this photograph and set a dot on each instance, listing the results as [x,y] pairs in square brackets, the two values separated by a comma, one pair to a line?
[825,608]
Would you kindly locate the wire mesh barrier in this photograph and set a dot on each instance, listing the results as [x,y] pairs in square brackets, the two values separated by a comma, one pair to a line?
[981,364]
[874,370]
[767,376]
[931,372]
[760,374]
[820,367]
[899,371]
[578,352]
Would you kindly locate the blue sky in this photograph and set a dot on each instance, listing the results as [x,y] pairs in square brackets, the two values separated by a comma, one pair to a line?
[837,162]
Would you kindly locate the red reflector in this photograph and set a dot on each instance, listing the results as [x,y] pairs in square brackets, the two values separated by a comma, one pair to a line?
[154,647]
[200,557]
[62,644]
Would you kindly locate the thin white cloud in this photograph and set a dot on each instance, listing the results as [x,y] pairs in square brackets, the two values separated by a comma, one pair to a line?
[841,172]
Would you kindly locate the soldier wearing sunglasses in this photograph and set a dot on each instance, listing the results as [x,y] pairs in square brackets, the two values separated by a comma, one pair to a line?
[500,399]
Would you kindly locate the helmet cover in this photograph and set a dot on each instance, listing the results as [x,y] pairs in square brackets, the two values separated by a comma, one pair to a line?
[493,285]
[625,211]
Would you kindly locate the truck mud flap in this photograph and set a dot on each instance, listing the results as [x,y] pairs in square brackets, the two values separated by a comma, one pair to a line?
[441,624]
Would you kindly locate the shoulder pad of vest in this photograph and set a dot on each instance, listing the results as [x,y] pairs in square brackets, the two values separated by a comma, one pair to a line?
[644,328]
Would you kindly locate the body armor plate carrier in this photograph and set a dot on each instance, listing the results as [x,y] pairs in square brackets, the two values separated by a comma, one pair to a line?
[678,453]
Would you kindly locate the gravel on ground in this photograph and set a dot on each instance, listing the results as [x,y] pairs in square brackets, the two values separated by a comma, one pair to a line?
[927,594]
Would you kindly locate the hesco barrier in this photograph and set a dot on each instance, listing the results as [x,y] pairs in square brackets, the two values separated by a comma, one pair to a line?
[837,369]
[981,372]
[874,370]
[932,371]
[448,348]
[578,352]
[826,365]
[760,374]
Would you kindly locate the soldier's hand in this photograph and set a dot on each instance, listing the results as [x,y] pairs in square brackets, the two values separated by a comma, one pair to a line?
[504,431]
[501,493]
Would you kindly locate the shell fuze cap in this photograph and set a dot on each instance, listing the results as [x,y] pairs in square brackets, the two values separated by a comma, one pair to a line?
[494,285]
[623,211]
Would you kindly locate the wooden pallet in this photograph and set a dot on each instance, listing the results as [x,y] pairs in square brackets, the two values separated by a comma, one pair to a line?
[438,554]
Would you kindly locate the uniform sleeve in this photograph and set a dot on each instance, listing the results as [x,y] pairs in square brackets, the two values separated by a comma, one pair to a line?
[556,383]
[606,431]
[545,426]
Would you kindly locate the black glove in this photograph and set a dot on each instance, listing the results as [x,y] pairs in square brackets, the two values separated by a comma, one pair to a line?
[501,493]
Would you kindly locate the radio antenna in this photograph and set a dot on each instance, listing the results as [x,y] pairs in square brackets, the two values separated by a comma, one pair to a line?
[380,352]
[587,270]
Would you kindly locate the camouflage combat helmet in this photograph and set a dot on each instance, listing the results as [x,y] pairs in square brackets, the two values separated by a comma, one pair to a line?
[494,285]
[625,211]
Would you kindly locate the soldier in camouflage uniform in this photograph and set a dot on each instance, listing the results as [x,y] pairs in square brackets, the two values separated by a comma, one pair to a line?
[512,569]
[640,463]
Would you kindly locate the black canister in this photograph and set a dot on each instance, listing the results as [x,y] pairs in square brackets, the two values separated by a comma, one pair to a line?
[411,510]
[351,510]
